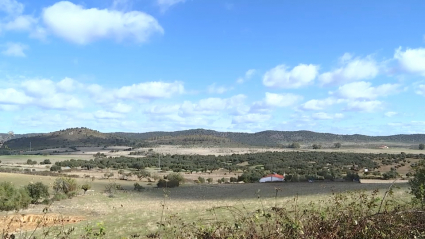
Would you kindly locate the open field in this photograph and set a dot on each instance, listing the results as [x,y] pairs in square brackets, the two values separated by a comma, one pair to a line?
[212,150]
[129,212]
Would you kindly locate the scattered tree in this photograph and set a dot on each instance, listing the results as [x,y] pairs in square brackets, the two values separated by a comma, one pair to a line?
[201,179]
[176,177]
[317,146]
[85,187]
[143,173]
[295,145]
[31,162]
[138,187]
[337,145]
[55,168]
[37,191]
[67,186]
[421,146]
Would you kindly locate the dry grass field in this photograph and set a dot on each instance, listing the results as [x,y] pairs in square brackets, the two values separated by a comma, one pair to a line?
[129,212]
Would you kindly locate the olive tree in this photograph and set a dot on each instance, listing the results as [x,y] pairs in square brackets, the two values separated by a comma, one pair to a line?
[67,186]
[37,191]
[417,183]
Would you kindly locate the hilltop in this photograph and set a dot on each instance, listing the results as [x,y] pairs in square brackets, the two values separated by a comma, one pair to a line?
[72,137]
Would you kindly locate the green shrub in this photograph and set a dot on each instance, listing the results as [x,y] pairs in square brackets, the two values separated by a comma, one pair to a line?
[112,187]
[138,187]
[390,175]
[55,168]
[31,162]
[65,185]
[12,198]
[59,196]
[201,179]
[162,183]
[85,187]
[251,176]
[175,177]
[417,183]
[37,191]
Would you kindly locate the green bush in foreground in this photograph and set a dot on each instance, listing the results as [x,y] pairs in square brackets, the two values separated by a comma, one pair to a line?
[65,185]
[12,198]
[417,183]
[37,191]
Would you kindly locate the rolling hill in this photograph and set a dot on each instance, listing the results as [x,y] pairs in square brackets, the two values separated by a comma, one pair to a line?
[201,137]
[67,138]
[278,138]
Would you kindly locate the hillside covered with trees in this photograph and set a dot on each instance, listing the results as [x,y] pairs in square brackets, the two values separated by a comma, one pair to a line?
[75,137]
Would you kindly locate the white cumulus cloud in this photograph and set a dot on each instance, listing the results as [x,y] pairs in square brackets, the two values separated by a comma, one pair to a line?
[150,90]
[326,116]
[102,114]
[282,77]
[420,90]
[214,89]
[365,90]
[411,60]
[121,108]
[250,118]
[365,106]
[82,26]
[352,70]
[15,49]
[281,100]
[322,104]
[11,7]
[390,113]
[12,96]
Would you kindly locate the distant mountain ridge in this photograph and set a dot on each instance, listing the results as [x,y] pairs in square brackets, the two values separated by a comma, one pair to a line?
[277,138]
[270,138]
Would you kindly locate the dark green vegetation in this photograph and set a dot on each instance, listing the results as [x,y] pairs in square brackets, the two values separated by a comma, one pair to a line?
[65,187]
[276,138]
[298,166]
[417,183]
[37,191]
[74,137]
[13,198]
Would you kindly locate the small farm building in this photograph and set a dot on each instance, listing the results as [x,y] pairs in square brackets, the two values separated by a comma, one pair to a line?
[272,178]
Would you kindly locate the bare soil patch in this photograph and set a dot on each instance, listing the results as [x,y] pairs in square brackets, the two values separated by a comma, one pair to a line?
[25,222]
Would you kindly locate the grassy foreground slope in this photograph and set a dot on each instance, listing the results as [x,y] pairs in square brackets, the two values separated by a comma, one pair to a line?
[130,214]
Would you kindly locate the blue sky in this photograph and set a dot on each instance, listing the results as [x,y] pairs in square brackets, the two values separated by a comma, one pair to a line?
[342,67]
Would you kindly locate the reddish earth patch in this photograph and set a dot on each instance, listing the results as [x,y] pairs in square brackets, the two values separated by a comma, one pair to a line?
[25,222]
